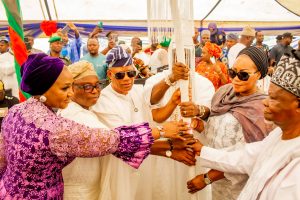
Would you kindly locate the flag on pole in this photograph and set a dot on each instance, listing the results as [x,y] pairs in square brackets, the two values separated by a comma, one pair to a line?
[16,34]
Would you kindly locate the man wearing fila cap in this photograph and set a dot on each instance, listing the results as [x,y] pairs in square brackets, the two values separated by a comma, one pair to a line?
[246,39]
[4,44]
[273,164]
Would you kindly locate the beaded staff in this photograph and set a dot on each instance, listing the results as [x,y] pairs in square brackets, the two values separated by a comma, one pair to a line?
[175,19]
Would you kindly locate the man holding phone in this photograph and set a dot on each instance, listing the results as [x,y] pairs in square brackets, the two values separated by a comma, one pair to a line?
[71,48]
[112,37]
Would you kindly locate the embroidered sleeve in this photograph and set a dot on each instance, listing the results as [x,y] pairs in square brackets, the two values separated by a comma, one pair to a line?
[2,156]
[68,139]
[135,143]
[130,143]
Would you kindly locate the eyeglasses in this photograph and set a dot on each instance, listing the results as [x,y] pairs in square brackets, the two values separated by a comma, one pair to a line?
[243,76]
[121,75]
[89,88]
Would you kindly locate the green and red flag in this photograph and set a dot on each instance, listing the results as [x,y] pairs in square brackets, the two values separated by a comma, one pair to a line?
[16,34]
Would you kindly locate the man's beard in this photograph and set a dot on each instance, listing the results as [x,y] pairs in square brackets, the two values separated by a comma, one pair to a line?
[56,51]
[94,53]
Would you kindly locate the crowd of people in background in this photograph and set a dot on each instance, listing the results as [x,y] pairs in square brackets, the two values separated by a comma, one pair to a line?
[152,59]
[127,97]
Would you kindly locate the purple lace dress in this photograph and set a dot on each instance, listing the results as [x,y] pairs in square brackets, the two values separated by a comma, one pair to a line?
[37,144]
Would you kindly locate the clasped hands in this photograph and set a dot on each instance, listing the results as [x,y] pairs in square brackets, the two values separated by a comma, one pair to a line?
[186,147]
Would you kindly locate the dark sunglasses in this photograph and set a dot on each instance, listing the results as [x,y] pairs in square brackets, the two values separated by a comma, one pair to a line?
[121,75]
[243,76]
[89,88]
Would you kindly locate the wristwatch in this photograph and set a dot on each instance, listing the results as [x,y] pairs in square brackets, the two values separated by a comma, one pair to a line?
[207,180]
[169,152]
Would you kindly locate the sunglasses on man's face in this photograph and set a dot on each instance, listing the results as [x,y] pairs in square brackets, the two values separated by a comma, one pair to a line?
[121,75]
[243,76]
[89,88]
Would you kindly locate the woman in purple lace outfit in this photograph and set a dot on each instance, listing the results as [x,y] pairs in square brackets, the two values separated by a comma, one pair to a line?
[37,144]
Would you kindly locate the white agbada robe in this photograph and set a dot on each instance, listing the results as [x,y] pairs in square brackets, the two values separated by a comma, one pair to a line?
[143,56]
[273,166]
[264,84]
[158,59]
[82,176]
[122,182]
[8,73]
[169,182]
[234,52]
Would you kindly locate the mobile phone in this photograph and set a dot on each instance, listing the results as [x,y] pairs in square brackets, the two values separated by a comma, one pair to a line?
[66,29]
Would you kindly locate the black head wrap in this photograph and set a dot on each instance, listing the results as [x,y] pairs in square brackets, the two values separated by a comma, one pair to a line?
[259,58]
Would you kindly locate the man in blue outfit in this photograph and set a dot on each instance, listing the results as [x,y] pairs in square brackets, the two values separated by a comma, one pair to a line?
[71,48]
[97,59]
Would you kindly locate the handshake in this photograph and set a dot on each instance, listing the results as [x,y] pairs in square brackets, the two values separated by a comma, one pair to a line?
[183,146]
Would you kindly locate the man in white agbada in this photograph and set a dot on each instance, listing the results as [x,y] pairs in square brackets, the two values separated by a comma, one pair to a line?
[158,92]
[246,39]
[82,176]
[137,50]
[160,56]
[7,70]
[273,165]
[122,103]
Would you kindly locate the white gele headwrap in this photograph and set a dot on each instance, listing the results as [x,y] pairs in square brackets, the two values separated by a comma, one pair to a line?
[175,19]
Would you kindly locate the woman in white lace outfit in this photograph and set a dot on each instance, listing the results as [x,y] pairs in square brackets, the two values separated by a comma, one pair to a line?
[236,118]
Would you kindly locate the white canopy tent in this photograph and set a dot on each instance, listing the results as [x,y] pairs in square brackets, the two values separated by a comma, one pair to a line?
[267,14]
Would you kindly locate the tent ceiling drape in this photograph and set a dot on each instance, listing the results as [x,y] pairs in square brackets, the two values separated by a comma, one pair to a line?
[269,15]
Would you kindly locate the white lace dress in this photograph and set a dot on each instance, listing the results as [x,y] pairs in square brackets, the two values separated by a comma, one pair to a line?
[221,132]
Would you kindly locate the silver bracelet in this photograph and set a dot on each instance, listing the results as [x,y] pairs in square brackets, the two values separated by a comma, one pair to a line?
[168,82]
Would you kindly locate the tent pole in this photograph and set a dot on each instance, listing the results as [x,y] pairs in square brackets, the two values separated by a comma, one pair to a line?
[213,8]
[48,10]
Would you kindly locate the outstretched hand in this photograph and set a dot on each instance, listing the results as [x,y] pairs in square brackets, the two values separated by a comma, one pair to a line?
[196,184]
[184,144]
[185,156]
[196,147]
[72,26]
[175,129]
